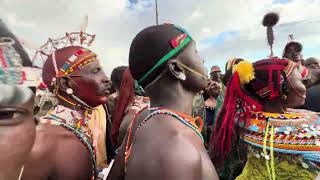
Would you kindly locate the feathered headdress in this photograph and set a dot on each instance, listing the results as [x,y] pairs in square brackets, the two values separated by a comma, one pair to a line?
[76,38]
[70,39]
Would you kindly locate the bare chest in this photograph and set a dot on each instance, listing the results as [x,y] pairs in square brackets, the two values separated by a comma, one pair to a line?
[73,159]
[59,154]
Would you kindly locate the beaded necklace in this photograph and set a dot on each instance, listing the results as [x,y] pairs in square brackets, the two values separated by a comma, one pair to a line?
[185,119]
[295,133]
[77,123]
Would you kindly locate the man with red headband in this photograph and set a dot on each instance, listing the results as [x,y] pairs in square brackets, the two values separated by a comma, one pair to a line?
[67,137]
[164,141]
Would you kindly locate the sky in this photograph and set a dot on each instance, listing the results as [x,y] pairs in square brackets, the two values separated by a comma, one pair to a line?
[222,29]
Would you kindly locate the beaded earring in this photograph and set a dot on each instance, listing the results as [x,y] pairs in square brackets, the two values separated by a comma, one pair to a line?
[69,91]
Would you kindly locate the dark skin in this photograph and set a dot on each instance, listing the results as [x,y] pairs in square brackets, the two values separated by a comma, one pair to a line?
[125,124]
[214,89]
[312,63]
[17,135]
[313,98]
[216,76]
[294,54]
[127,119]
[164,148]
[58,154]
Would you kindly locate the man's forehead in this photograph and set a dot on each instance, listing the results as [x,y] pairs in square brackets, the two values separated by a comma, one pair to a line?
[312,61]
[11,95]
[294,47]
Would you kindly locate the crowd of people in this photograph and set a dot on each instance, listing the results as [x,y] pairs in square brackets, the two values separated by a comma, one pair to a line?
[161,117]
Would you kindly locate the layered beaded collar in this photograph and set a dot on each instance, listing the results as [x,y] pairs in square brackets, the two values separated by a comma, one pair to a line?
[287,123]
[296,132]
[75,119]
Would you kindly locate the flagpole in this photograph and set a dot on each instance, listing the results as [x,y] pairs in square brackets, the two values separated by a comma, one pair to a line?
[157,20]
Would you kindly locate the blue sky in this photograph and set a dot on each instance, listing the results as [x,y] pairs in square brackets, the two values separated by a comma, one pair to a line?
[281,1]
[222,29]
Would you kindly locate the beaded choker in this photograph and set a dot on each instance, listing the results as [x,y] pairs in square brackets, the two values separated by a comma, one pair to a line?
[195,124]
[75,122]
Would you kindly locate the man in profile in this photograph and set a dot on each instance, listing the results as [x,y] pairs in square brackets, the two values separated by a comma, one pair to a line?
[312,63]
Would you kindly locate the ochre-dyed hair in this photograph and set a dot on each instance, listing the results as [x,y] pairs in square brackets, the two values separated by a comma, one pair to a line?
[125,98]
[269,84]
[148,47]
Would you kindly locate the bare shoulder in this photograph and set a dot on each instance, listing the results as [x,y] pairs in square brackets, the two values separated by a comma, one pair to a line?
[41,157]
[180,159]
[44,142]
[45,139]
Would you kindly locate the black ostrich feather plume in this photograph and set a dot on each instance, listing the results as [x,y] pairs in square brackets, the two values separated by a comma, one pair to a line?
[270,19]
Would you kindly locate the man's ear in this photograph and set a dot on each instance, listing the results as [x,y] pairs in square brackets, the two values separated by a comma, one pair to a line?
[176,70]
[64,83]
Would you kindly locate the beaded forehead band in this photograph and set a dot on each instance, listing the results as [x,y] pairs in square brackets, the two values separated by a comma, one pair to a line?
[76,61]
[177,43]
[12,71]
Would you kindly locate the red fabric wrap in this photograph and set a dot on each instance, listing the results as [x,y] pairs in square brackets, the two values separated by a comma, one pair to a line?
[125,98]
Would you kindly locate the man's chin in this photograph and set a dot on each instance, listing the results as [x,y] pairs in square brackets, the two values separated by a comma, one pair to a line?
[103,99]
[100,100]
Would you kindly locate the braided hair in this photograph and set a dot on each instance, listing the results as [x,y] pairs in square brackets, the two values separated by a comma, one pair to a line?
[268,84]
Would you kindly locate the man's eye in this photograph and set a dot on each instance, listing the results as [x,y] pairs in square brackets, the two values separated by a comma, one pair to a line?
[95,70]
[6,114]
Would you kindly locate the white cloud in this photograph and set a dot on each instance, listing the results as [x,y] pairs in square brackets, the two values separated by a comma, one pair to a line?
[196,15]
[205,30]
[116,22]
